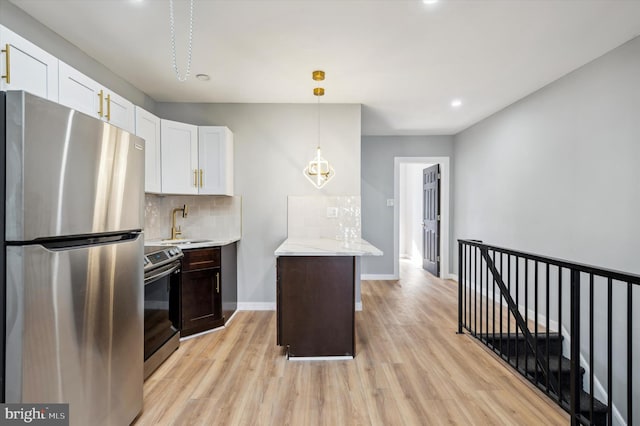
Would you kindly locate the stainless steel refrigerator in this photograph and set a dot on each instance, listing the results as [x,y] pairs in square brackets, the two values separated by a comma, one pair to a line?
[73,215]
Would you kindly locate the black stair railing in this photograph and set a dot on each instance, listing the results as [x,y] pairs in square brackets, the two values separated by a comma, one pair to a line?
[523,306]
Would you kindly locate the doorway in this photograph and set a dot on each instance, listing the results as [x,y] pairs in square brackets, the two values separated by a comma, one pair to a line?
[408,211]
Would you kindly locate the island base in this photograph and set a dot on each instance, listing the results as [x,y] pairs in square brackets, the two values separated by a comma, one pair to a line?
[316,305]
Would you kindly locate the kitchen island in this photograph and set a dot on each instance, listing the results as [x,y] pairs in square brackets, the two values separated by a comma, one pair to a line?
[316,282]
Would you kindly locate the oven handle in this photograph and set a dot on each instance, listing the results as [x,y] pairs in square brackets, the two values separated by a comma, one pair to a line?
[168,270]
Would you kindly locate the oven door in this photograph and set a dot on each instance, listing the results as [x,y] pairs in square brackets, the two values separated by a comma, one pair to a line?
[161,314]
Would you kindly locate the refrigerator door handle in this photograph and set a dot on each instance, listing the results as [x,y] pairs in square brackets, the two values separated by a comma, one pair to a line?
[67,243]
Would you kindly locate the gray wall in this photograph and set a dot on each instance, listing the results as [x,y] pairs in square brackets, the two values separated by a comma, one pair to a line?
[19,22]
[558,173]
[273,143]
[378,153]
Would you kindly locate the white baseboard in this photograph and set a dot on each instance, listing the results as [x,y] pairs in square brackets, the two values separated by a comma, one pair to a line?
[202,333]
[267,306]
[256,306]
[381,277]
[451,277]
[228,321]
[320,358]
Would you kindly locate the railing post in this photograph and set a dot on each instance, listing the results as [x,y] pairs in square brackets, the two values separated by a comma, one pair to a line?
[575,346]
[460,287]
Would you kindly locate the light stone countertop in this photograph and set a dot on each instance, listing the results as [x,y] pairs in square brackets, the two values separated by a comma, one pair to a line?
[192,243]
[326,247]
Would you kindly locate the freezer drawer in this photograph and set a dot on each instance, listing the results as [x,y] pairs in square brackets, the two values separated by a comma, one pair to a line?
[75,329]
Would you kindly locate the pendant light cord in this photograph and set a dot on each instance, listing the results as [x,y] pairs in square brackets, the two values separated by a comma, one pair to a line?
[318,122]
[173,41]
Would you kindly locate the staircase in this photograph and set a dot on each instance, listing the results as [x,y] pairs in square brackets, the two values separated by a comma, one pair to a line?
[515,351]
[510,300]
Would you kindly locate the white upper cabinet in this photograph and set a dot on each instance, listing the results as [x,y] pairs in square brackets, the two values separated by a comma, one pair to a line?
[119,111]
[196,160]
[78,91]
[148,128]
[179,147]
[215,160]
[24,66]
[84,94]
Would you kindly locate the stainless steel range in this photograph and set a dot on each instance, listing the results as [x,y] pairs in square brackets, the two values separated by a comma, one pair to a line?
[161,304]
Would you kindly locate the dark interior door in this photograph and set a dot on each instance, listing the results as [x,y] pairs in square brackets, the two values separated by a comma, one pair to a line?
[431,219]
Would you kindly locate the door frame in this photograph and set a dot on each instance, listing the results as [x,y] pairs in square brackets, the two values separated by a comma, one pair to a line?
[444,163]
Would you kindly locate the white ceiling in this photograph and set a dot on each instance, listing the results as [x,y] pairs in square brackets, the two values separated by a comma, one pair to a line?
[402,59]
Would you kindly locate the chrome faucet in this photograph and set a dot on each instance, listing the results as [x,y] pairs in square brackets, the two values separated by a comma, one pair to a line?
[175,232]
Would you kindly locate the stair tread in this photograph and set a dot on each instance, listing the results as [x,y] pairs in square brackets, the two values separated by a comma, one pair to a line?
[509,344]
[585,401]
[520,336]
[555,363]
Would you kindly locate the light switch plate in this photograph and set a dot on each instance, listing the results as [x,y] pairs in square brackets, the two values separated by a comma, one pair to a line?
[332,212]
[389,202]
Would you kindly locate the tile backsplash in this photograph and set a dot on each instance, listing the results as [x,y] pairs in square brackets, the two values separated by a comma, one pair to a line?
[335,217]
[210,217]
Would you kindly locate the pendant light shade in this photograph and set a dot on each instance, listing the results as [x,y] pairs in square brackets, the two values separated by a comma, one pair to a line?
[319,172]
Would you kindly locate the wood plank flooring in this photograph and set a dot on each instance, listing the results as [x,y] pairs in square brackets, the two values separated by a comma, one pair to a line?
[410,369]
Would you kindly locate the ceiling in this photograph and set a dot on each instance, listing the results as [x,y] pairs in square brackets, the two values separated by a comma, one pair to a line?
[403,60]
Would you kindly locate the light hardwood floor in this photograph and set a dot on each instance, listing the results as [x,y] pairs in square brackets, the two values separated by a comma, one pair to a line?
[411,368]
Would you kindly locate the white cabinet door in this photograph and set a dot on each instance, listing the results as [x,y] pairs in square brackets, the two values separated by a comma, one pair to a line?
[24,66]
[119,111]
[86,95]
[179,146]
[215,159]
[148,128]
[79,92]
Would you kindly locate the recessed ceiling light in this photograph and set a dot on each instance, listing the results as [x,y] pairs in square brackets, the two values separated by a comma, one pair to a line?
[429,1]
[203,77]
[456,103]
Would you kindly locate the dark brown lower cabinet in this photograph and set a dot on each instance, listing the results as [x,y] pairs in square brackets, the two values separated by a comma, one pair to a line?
[201,300]
[316,305]
[209,292]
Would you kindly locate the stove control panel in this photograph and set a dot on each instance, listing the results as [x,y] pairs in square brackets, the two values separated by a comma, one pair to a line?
[156,256]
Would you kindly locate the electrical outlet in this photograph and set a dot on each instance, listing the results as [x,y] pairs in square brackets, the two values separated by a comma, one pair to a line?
[332,212]
[389,202]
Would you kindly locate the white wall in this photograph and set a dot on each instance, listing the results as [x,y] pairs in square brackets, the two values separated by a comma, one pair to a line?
[273,143]
[558,174]
[411,214]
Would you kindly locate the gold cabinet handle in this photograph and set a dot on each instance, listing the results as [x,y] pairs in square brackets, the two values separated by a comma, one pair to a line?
[101,98]
[201,173]
[109,107]
[7,54]
[217,282]
[195,178]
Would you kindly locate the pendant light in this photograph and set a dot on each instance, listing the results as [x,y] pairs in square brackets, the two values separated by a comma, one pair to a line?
[319,172]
